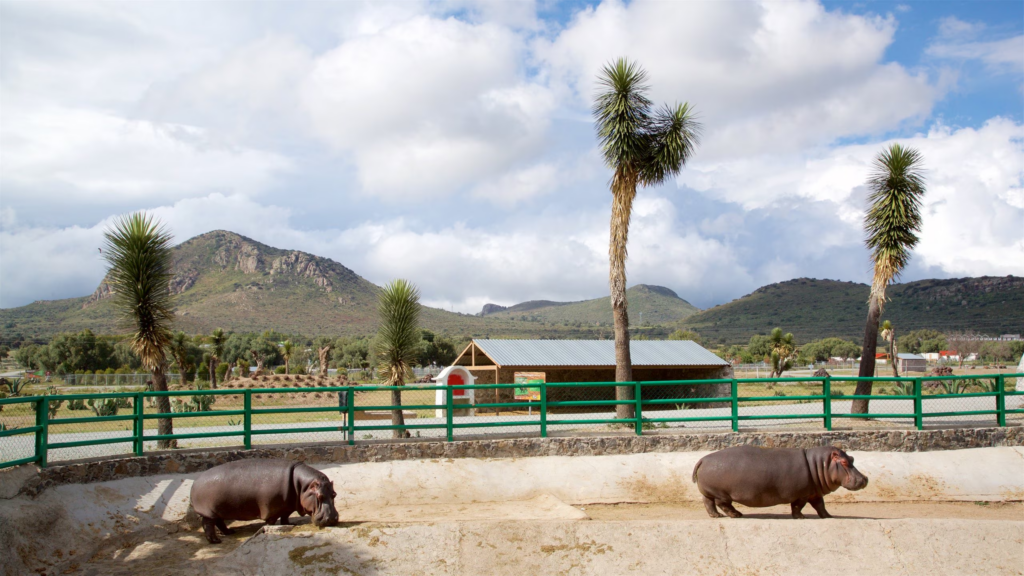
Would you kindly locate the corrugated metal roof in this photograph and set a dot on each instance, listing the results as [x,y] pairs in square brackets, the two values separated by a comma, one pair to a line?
[597,353]
[904,356]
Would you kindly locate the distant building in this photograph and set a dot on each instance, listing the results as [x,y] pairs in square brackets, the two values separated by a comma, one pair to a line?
[911,363]
[498,362]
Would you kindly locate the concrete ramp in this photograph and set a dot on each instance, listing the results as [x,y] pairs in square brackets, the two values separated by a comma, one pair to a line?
[710,547]
[987,474]
[543,507]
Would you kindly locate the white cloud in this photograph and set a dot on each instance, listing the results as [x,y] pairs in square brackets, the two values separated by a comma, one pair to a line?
[785,75]
[428,106]
[72,154]
[1008,52]
[953,27]
[973,210]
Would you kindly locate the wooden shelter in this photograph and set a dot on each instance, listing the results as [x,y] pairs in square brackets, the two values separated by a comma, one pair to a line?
[582,361]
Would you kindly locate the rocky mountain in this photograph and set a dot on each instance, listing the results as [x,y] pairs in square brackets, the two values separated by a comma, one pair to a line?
[222,279]
[647,305]
[813,309]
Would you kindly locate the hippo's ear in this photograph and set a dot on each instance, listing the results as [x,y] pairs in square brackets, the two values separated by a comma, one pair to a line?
[840,458]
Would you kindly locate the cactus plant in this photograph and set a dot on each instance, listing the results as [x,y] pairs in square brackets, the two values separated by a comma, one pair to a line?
[104,406]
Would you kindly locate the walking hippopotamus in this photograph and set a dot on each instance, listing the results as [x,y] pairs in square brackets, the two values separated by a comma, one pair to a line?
[761,477]
[266,489]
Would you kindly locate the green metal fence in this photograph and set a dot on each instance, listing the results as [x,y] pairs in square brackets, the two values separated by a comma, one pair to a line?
[32,429]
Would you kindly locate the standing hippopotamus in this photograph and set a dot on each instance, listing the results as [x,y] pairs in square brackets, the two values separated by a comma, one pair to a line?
[266,489]
[761,477]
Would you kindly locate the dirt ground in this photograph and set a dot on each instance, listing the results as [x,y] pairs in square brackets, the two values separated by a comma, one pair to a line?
[875,510]
[181,551]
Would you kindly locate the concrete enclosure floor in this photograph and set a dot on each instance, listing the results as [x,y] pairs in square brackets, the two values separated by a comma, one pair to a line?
[947,512]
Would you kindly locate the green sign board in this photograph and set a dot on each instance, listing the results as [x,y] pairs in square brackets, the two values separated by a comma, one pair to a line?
[523,390]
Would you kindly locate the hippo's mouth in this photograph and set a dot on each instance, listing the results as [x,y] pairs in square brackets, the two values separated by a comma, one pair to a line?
[857,483]
[325,517]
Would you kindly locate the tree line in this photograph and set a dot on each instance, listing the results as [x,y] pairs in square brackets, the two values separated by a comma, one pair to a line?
[85,352]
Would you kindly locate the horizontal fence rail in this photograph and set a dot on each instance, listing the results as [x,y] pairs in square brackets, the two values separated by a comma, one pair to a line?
[33,427]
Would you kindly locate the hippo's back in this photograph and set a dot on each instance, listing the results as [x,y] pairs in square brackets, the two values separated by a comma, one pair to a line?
[245,490]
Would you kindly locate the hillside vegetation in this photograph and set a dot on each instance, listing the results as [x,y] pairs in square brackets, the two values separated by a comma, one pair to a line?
[814,309]
[647,305]
[229,281]
[225,280]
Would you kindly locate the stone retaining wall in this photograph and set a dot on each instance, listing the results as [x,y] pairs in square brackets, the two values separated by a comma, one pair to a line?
[191,461]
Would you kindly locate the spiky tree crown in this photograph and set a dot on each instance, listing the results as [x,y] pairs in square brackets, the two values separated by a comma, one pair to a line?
[645,145]
[398,335]
[138,250]
[893,218]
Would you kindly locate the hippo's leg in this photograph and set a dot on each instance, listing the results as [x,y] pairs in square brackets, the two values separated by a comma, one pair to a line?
[283,520]
[819,507]
[210,528]
[796,507]
[729,510]
[709,504]
[224,527]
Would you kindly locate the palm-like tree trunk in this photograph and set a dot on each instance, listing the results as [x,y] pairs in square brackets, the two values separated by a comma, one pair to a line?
[397,417]
[892,354]
[213,373]
[867,356]
[163,406]
[624,191]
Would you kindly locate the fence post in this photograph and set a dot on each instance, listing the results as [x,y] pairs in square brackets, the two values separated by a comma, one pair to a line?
[43,421]
[826,390]
[1000,401]
[449,403]
[247,419]
[918,408]
[639,415]
[140,423]
[543,410]
[733,388]
[351,395]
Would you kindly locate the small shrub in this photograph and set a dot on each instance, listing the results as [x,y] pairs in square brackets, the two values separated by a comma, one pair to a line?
[779,393]
[904,389]
[77,404]
[954,386]
[838,394]
[199,403]
[104,406]
[279,370]
[53,406]
[15,386]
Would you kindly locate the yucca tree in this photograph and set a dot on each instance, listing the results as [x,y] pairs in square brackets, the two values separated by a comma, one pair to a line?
[892,222]
[888,333]
[782,348]
[178,349]
[287,349]
[643,147]
[138,250]
[217,339]
[396,345]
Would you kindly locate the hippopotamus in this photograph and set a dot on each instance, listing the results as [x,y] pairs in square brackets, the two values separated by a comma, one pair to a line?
[266,489]
[762,477]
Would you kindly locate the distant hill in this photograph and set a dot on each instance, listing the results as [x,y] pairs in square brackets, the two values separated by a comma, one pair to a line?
[813,309]
[656,305]
[222,279]
[225,280]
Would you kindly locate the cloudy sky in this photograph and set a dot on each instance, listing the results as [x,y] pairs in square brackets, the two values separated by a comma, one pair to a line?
[451,142]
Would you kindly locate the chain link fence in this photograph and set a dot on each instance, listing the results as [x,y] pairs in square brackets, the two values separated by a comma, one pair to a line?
[304,409]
